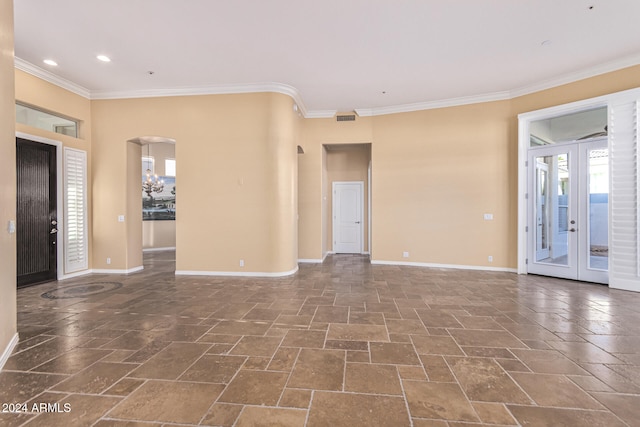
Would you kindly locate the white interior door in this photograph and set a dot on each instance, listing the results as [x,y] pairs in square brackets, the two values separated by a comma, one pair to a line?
[568,211]
[348,202]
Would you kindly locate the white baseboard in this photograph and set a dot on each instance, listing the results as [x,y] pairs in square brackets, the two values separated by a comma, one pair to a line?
[310,261]
[341,253]
[169,248]
[446,266]
[7,351]
[114,271]
[235,273]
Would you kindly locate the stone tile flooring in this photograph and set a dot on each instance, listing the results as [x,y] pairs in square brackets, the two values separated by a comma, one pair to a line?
[338,344]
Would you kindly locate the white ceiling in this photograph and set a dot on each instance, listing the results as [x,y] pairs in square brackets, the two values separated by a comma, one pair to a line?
[329,54]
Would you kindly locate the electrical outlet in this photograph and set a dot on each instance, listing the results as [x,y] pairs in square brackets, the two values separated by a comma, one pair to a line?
[405,254]
[108,260]
[120,218]
[490,259]
[241,263]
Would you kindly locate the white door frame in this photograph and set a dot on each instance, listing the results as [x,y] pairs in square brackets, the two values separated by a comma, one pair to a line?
[334,212]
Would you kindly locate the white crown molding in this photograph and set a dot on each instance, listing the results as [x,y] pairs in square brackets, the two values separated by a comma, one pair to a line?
[597,70]
[607,67]
[45,75]
[206,90]
[311,114]
[320,114]
[430,105]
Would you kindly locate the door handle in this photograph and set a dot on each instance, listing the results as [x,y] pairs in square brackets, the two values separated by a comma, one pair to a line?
[53,231]
[357,222]
[573,230]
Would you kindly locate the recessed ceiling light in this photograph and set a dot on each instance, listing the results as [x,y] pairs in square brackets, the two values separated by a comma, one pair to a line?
[50,62]
[103,58]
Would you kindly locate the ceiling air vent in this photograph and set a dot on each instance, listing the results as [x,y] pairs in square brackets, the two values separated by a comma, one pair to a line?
[346,118]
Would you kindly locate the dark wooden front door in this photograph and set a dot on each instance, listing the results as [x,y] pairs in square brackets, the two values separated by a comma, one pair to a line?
[36,217]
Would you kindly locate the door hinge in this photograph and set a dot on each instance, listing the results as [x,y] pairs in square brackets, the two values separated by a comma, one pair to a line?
[526,229]
[526,195]
[526,163]
[526,261]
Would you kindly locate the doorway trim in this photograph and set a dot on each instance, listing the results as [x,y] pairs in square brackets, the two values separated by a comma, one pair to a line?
[524,120]
[59,196]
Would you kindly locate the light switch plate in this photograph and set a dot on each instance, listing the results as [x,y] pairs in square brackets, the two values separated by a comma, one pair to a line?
[120,218]
[488,216]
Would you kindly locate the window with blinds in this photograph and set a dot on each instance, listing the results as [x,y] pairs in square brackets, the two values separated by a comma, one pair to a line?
[75,210]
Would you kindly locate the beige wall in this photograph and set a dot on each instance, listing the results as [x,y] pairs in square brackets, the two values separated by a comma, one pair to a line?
[159,234]
[7,179]
[236,159]
[133,218]
[309,203]
[435,173]
[324,204]
[315,188]
[347,163]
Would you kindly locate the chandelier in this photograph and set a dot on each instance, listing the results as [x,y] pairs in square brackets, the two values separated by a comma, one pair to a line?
[152,184]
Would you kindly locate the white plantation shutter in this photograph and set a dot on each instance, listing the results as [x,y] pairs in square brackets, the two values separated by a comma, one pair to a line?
[75,204]
[624,271]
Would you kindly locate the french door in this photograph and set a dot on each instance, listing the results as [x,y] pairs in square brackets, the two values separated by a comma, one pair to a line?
[568,205]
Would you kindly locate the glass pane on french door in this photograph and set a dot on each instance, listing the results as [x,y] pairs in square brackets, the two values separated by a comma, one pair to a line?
[551,207]
[598,207]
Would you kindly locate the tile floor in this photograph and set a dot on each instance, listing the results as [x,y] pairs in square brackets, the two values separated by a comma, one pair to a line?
[338,344]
